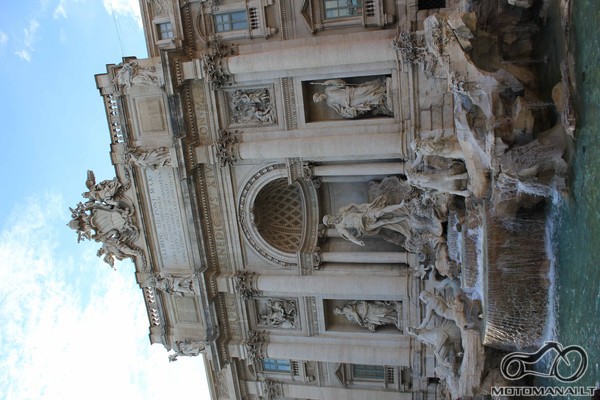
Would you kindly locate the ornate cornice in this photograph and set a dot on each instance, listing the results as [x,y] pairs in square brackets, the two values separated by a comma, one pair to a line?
[227,147]
[255,347]
[245,284]
[213,62]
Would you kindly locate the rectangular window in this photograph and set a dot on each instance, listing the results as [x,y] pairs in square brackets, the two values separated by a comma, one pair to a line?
[342,8]
[431,4]
[273,365]
[368,372]
[165,31]
[231,21]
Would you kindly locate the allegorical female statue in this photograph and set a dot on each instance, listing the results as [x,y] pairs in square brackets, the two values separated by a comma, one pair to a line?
[351,101]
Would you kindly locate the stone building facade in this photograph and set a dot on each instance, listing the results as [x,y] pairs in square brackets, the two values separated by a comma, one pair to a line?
[261,156]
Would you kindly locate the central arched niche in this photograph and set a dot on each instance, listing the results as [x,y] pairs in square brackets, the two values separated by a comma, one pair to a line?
[279,220]
[277,213]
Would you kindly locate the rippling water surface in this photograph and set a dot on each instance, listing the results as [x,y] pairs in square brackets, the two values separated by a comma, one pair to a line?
[576,236]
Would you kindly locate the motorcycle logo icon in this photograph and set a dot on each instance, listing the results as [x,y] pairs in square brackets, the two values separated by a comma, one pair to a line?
[517,365]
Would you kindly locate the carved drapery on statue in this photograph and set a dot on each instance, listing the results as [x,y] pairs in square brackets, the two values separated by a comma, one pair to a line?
[106,217]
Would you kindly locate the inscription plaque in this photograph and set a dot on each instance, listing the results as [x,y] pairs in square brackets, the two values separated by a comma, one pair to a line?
[167,217]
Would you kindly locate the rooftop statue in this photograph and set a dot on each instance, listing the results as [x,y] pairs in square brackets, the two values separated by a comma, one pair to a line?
[105,218]
[187,348]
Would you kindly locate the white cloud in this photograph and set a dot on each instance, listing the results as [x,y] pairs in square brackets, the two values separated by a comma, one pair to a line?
[23,55]
[71,325]
[126,8]
[30,33]
[29,37]
[59,11]
[3,38]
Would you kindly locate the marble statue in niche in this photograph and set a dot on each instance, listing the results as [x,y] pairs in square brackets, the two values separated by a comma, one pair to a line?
[397,223]
[355,100]
[251,106]
[372,313]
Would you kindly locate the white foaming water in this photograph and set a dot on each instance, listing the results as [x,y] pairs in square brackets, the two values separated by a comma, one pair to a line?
[551,329]
[476,292]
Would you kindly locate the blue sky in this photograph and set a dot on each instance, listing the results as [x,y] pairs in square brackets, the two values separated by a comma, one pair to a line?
[70,327]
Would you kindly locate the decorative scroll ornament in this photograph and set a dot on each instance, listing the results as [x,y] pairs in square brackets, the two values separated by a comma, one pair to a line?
[216,75]
[187,348]
[106,217]
[227,147]
[245,284]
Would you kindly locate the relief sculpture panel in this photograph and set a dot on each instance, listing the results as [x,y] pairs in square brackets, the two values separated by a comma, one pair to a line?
[251,107]
[277,313]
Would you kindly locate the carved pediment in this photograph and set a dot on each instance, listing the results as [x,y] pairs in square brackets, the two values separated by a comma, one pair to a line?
[307,14]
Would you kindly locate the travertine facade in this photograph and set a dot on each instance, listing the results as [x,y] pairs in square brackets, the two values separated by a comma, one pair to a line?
[265,193]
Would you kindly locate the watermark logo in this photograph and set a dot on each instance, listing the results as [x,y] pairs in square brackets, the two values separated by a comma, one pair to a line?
[565,364]
[568,364]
